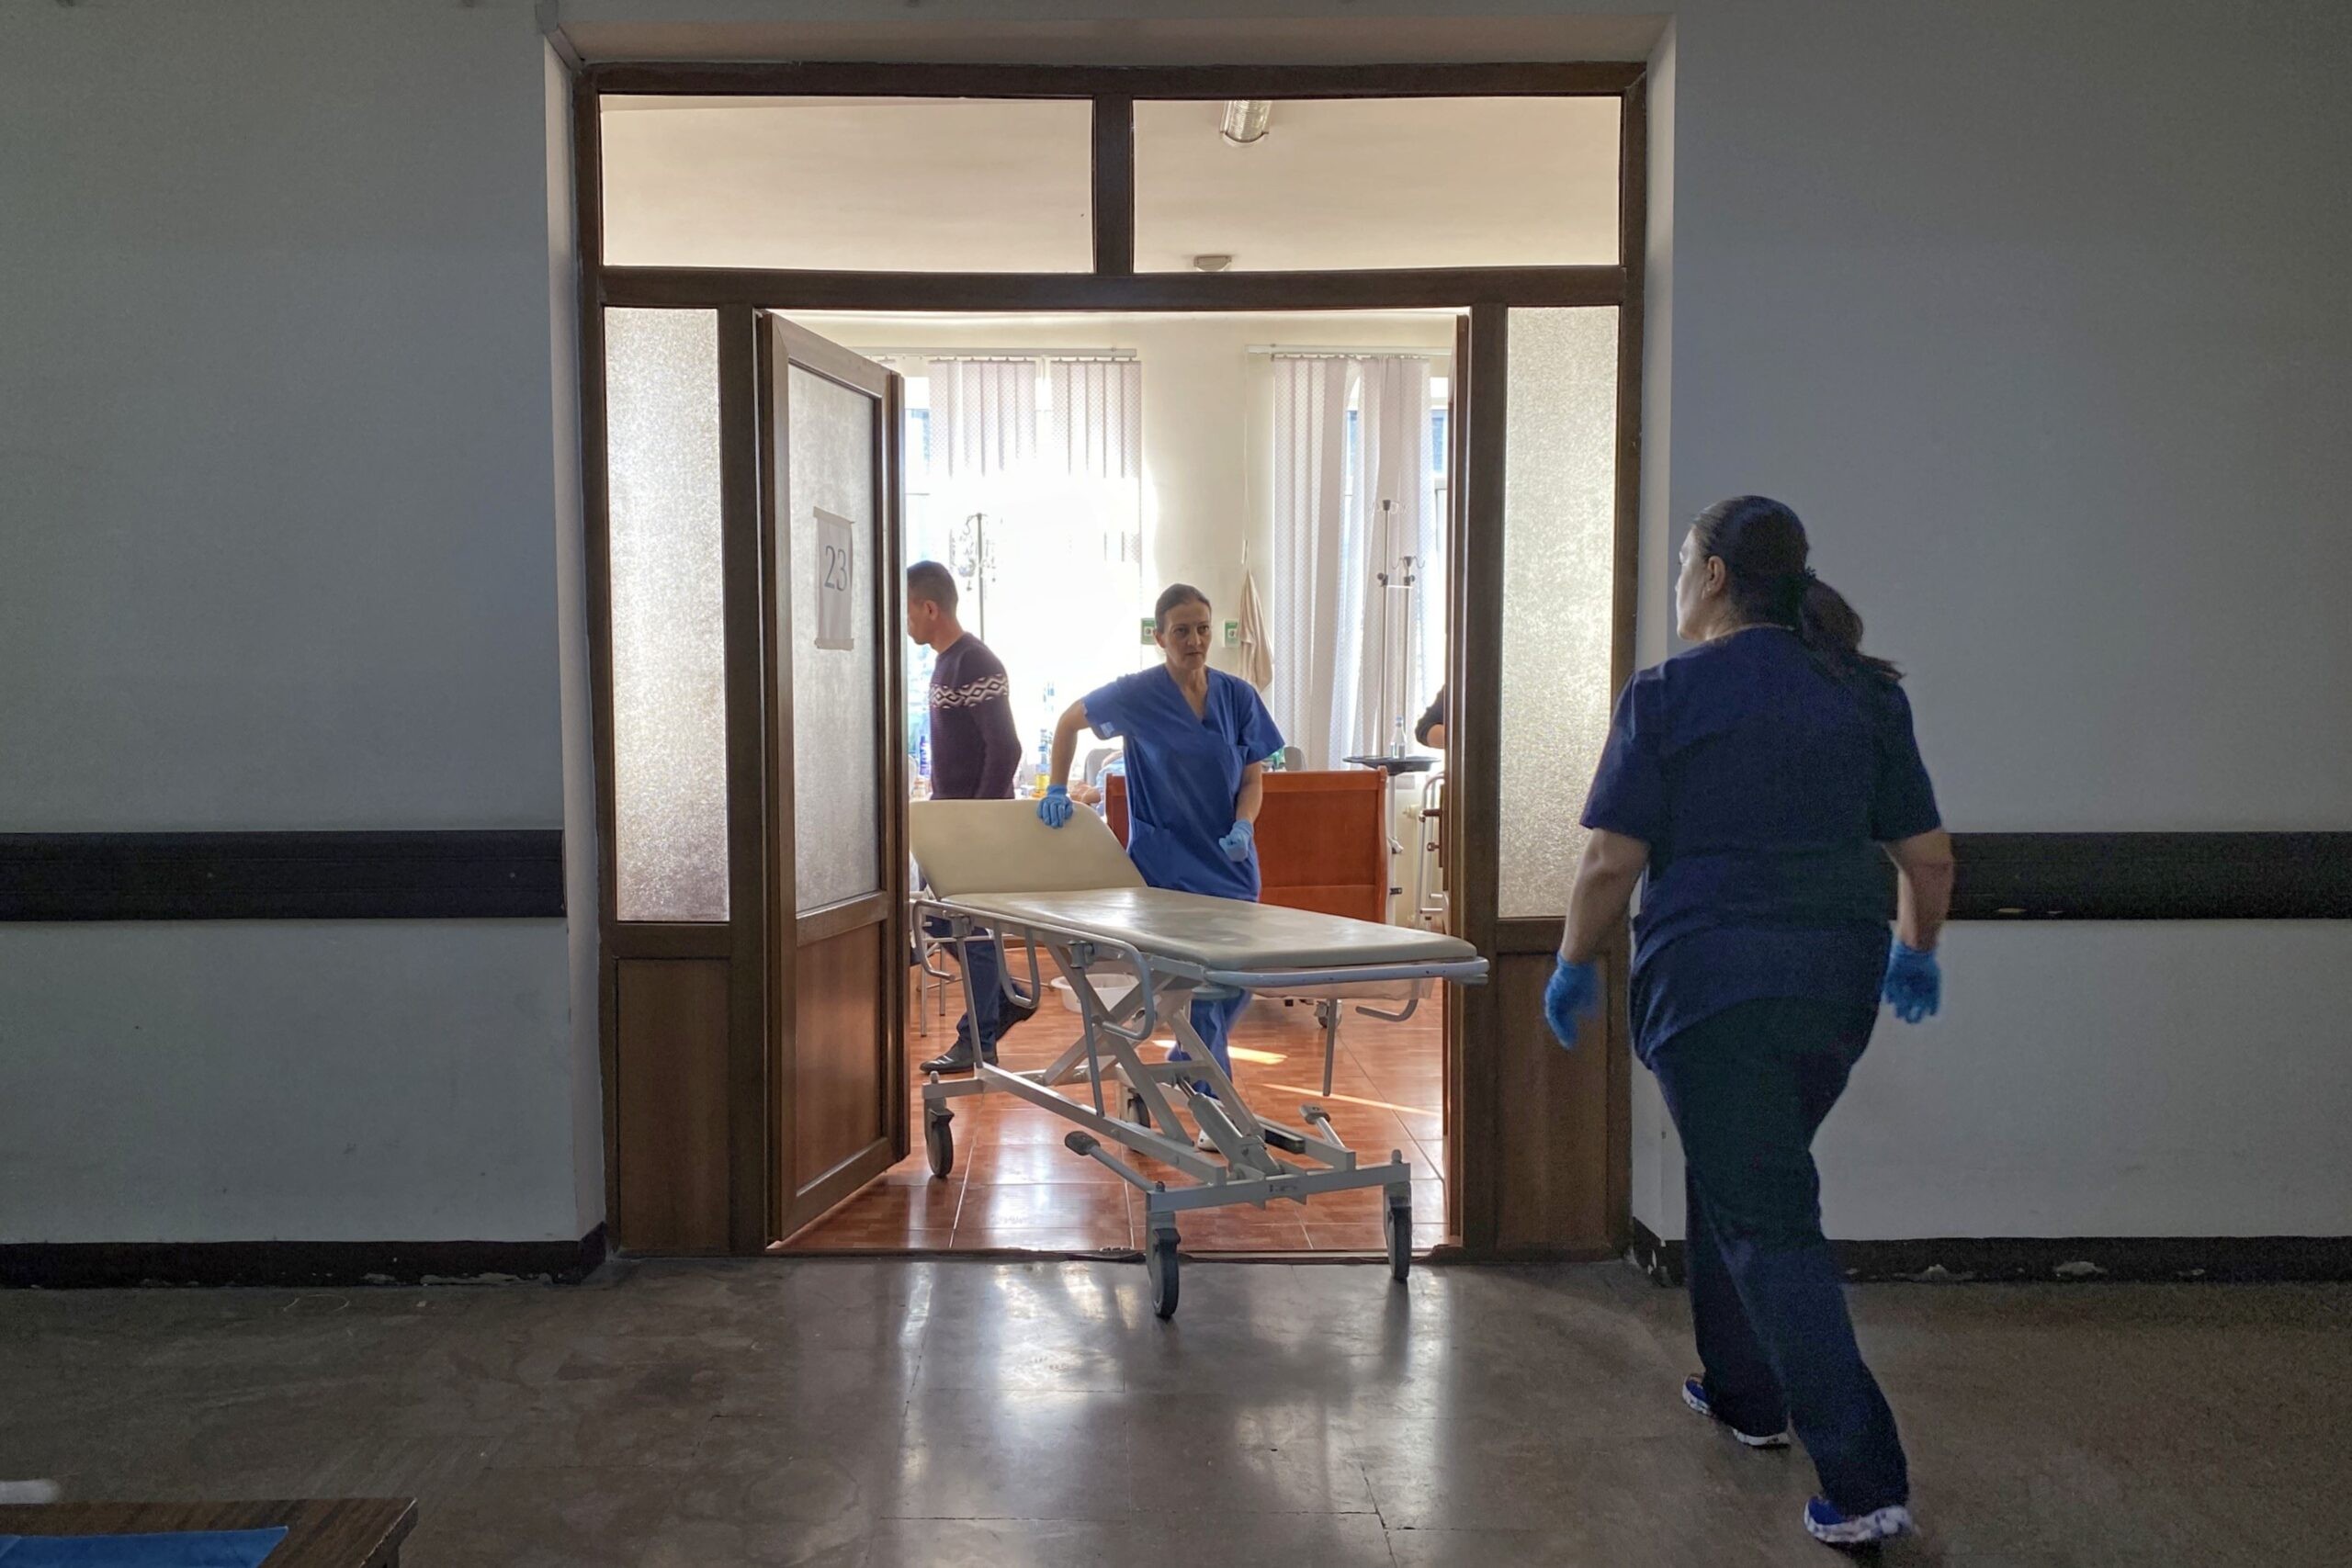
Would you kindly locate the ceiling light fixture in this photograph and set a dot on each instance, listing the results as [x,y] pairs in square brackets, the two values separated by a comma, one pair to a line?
[1246,121]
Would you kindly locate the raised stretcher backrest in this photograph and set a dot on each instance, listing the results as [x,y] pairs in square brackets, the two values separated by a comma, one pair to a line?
[967,847]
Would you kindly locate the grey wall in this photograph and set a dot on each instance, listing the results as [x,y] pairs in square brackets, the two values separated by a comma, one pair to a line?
[330,1081]
[2031,312]
[2035,314]
[279,505]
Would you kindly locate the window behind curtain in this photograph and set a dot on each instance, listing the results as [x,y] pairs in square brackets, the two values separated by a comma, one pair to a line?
[1047,545]
[1326,596]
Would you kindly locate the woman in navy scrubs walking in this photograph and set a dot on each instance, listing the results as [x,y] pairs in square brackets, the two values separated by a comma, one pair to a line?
[1755,780]
[1197,744]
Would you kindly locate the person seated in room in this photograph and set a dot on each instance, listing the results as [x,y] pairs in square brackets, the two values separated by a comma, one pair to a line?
[1431,730]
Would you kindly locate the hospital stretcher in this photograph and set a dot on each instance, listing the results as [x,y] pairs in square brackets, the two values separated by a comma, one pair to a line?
[1072,895]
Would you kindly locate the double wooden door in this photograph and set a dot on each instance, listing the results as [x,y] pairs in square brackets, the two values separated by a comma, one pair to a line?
[758,1054]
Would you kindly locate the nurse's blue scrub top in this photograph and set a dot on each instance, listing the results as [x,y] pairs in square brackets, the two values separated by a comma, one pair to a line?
[1763,786]
[1183,774]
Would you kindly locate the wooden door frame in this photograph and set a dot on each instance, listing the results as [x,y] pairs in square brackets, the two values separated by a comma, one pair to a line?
[1475,1016]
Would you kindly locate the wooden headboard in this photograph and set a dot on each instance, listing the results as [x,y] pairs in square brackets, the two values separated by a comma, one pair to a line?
[1322,840]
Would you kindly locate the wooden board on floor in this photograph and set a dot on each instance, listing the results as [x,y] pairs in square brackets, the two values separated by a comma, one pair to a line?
[321,1532]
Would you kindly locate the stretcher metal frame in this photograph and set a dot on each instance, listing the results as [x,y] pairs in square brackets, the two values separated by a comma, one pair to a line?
[1250,1165]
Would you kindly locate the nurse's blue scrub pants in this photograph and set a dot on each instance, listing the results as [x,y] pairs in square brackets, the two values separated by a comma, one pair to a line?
[1747,1088]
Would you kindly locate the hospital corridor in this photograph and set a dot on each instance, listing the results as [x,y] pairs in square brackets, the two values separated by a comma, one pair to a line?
[1082,783]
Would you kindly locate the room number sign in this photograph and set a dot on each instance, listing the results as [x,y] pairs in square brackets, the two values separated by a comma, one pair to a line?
[836,573]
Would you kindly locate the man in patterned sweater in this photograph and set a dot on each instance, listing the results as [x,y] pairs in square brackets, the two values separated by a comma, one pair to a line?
[973,752]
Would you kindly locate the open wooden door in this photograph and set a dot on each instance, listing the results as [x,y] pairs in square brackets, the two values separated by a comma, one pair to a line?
[830,445]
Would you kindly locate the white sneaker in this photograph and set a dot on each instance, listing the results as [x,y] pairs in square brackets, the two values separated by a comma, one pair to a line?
[1827,1524]
[1205,1144]
[1694,1394]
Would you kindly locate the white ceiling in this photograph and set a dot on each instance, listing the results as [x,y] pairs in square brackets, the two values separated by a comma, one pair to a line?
[970,185]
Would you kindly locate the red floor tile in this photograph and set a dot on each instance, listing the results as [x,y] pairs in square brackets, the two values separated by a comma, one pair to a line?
[1015,1186]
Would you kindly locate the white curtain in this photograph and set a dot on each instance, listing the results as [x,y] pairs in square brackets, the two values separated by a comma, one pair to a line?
[1037,485]
[1096,430]
[984,416]
[1310,446]
[1351,492]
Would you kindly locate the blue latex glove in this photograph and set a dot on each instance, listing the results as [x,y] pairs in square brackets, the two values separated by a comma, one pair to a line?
[1573,996]
[1235,843]
[1915,983]
[1055,809]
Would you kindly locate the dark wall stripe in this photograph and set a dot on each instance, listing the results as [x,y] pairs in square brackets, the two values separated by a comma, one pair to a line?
[2220,1259]
[519,874]
[296,1264]
[282,876]
[2152,876]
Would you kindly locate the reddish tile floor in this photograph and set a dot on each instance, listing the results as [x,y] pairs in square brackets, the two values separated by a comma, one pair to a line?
[1014,1186]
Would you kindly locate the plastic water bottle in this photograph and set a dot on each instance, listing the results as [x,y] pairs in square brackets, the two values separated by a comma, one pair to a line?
[1045,756]
[1397,741]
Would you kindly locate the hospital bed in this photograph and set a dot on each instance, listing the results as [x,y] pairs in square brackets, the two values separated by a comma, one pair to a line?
[1071,898]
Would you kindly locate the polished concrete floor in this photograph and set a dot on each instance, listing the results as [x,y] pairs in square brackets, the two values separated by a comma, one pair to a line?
[1015,1188]
[870,1413]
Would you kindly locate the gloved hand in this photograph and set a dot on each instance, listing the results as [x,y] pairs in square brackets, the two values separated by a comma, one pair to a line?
[1055,809]
[1915,983]
[1237,841]
[1573,996]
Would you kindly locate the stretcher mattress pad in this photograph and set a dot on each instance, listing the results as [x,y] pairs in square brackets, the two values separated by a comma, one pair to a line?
[1222,934]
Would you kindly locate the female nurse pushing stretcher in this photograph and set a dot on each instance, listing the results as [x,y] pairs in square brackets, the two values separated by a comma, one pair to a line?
[1754,781]
[1197,744]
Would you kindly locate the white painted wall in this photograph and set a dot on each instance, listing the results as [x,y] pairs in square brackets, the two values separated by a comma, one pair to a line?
[2032,311]
[279,506]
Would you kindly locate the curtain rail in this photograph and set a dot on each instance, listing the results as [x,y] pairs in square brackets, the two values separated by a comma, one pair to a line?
[1007,355]
[1287,351]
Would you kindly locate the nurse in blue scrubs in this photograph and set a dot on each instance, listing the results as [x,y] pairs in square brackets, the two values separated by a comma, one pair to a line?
[1756,785]
[1197,740]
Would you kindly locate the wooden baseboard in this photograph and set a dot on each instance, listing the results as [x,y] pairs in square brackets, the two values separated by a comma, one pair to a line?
[315,1264]
[2056,1260]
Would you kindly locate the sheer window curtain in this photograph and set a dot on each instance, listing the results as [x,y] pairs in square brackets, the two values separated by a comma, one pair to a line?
[983,416]
[1049,453]
[1351,490]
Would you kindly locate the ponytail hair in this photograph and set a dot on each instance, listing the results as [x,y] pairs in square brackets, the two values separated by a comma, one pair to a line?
[1763,548]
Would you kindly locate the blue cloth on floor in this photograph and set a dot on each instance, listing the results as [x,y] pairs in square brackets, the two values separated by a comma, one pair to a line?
[191,1548]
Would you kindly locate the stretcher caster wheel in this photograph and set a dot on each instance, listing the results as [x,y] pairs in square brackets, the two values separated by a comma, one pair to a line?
[1397,1225]
[939,1142]
[1162,1262]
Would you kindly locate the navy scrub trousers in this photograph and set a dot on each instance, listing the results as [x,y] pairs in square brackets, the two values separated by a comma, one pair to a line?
[1747,1088]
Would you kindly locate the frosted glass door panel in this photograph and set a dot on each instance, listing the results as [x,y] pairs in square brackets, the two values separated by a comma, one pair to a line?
[1559,548]
[669,658]
[837,791]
